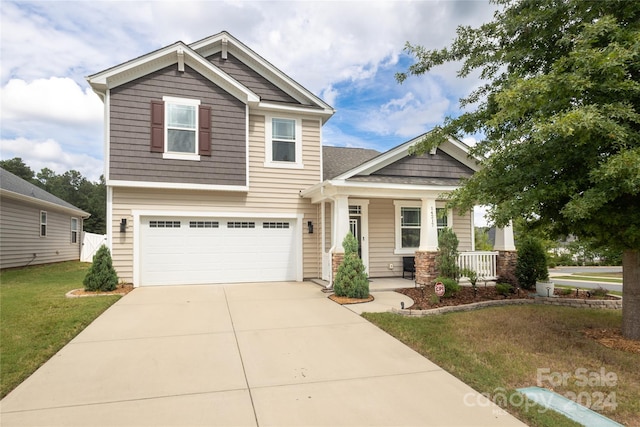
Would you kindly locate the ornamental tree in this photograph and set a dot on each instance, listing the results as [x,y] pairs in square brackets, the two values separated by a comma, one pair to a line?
[101,275]
[559,116]
[351,279]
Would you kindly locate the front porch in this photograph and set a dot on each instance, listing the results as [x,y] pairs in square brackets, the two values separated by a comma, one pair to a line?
[378,226]
[395,204]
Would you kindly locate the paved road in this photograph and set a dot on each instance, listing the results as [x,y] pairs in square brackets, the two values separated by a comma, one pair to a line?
[587,285]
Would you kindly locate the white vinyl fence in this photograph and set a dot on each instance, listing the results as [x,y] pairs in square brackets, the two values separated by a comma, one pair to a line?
[90,245]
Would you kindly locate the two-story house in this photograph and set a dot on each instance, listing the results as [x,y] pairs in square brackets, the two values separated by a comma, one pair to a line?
[216,173]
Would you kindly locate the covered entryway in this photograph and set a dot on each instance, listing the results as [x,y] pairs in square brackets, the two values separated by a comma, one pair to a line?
[200,250]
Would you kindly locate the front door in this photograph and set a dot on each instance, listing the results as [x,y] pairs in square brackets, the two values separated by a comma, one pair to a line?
[354,227]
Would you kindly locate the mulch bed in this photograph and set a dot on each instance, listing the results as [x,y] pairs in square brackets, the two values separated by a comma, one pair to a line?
[422,297]
[121,289]
[612,338]
[345,300]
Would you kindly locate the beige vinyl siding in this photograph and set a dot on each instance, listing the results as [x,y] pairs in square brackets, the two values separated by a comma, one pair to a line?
[271,190]
[462,228]
[20,235]
[382,239]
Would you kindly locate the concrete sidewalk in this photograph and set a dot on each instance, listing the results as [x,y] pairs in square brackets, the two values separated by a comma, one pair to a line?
[268,354]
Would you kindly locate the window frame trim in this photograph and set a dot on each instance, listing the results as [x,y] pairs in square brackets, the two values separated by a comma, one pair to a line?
[398,205]
[268,145]
[74,231]
[45,223]
[176,155]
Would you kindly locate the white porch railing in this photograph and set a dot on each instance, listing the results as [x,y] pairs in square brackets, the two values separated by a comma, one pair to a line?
[483,263]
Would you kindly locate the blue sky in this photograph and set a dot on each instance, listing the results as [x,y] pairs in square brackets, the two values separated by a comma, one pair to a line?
[345,52]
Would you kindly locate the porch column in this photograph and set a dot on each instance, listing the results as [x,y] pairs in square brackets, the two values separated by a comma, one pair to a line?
[426,254]
[504,238]
[507,255]
[341,222]
[428,226]
[338,232]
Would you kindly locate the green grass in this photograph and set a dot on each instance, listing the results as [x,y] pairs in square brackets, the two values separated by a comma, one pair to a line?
[593,278]
[502,348]
[37,320]
[573,288]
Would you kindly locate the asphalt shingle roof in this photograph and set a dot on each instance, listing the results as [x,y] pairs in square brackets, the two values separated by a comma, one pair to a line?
[15,184]
[337,160]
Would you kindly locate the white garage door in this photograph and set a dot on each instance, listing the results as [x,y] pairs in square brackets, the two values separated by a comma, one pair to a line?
[188,250]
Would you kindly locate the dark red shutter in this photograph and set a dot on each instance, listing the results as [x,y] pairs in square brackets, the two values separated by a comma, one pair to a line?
[157,127]
[204,131]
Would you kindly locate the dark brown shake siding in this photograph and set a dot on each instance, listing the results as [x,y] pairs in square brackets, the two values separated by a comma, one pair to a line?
[131,157]
[439,165]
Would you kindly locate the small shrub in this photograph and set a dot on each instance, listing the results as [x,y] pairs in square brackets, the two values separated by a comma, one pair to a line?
[565,291]
[599,292]
[434,299]
[451,286]
[531,264]
[504,289]
[101,276]
[509,278]
[351,280]
[471,274]
[446,259]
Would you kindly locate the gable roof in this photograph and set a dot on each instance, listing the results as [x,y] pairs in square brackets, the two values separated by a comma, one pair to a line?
[195,56]
[15,187]
[453,148]
[337,160]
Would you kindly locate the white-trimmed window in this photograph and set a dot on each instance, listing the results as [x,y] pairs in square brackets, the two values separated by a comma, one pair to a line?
[283,142]
[43,223]
[181,127]
[408,221]
[74,230]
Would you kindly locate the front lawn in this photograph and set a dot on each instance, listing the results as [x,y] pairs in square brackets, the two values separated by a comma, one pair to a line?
[37,320]
[497,350]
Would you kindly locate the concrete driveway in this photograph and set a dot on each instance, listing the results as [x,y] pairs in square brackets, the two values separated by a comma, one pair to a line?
[268,354]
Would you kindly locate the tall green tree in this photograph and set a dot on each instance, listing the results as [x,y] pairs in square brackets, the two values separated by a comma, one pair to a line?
[559,111]
[17,167]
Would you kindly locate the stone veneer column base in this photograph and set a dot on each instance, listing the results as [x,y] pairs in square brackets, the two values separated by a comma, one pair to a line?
[336,260]
[426,271]
[506,263]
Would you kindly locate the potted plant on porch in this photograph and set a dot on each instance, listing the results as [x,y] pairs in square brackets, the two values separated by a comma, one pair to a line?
[531,267]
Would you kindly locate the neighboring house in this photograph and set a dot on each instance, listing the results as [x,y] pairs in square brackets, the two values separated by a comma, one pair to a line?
[216,173]
[36,227]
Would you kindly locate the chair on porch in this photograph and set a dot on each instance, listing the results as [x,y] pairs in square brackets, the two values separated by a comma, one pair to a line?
[409,266]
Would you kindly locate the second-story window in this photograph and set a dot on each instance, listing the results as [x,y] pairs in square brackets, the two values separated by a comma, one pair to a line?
[283,142]
[283,137]
[180,128]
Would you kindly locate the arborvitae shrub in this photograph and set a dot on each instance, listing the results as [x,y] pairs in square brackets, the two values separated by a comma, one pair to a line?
[351,280]
[101,276]
[531,264]
[447,256]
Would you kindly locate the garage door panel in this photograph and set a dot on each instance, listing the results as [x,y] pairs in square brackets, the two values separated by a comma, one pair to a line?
[216,250]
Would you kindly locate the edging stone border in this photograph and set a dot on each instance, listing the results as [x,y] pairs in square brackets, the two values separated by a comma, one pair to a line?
[565,302]
[97,294]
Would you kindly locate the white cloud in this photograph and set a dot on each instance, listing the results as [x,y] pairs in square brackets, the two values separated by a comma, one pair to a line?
[47,46]
[56,99]
[50,154]
[329,95]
